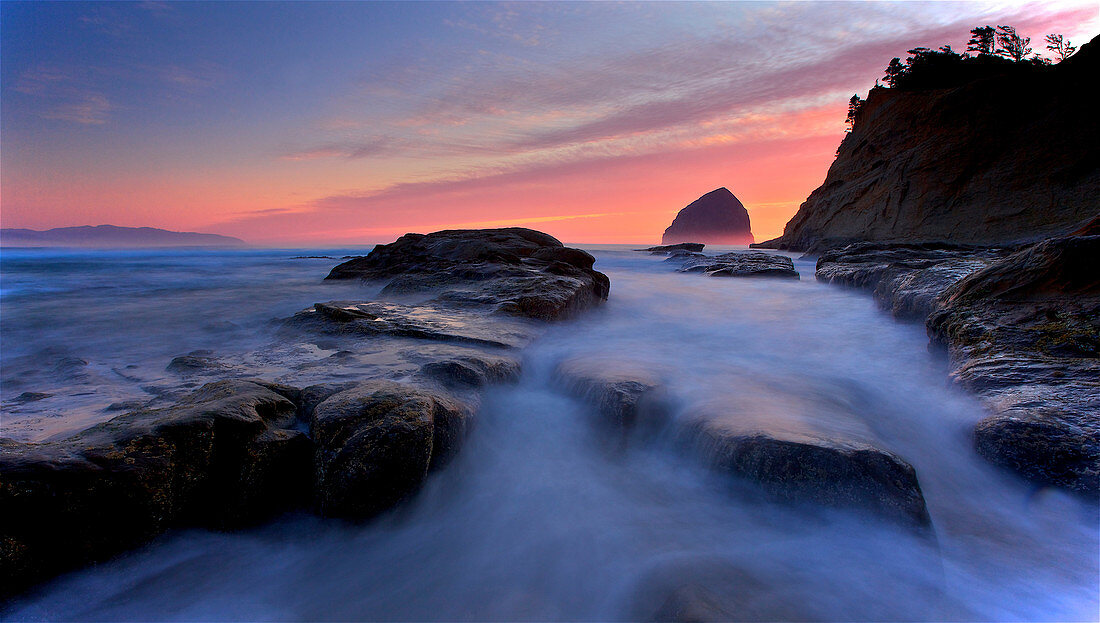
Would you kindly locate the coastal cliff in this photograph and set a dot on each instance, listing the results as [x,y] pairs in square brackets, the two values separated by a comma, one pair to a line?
[1003,158]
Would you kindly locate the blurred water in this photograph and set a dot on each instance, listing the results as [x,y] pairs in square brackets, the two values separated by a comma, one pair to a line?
[91,327]
[540,518]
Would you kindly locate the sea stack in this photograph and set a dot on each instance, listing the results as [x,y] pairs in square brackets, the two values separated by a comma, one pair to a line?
[715,218]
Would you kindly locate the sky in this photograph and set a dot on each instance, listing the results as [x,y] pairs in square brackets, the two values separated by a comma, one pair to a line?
[314,123]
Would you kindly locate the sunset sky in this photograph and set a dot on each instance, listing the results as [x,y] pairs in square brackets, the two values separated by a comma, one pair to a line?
[316,123]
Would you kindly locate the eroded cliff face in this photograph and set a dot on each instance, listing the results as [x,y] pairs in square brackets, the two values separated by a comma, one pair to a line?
[1005,159]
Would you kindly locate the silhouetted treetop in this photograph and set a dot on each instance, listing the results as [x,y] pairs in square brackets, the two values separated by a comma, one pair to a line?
[982,40]
[1012,45]
[1062,48]
[997,51]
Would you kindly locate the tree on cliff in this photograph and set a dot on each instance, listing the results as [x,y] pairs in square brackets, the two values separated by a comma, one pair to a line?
[894,72]
[1062,48]
[982,40]
[854,105]
[1012,45]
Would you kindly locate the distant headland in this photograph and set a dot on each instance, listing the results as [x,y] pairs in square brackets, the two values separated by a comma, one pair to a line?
[112,236]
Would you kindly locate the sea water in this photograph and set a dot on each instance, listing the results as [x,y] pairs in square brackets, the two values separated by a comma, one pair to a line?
[541,517]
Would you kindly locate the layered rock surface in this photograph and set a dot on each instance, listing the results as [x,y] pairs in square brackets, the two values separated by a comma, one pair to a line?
[904,279]
[740,264]
[964,165]
[1021,329]
[715,218]
[1024,333]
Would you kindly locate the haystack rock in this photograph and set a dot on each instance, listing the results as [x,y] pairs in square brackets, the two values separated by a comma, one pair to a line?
[715,218]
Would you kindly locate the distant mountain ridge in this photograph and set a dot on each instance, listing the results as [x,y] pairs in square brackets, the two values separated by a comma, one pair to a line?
[1005,159]
[112,236]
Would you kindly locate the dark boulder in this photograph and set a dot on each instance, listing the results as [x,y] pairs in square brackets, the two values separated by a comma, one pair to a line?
[797,466]
[512,270]
[376,443]
[222,457]
[472,371]
[715,218]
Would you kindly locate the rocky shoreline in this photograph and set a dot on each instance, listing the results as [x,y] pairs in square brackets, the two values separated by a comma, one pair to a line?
[1021,328]
[454,310]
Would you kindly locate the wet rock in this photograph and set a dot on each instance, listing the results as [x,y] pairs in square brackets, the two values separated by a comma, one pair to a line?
[743,264]
[625,395]
[796,465]
[31,397]
[905,279]
[680,257]
[219,458]
[715,218]
[193,364]
[672,249]
[514,271]
[472,371]
[376,443]
[125,405]
[425,321]
[1024,333]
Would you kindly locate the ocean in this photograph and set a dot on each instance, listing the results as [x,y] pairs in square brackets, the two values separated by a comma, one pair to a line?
[539,517]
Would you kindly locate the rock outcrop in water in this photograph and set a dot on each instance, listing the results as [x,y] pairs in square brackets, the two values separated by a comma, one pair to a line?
[1024,333]
[675,249]
[1006,159]
[518,271]
[905,279]
[1021,331]
[377,441]
[789,460]
[227,455]
[740,264]
[715,218]
[236,451]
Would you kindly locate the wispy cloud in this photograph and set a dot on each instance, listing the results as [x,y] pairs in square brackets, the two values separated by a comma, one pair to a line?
[88,95]
[88,109]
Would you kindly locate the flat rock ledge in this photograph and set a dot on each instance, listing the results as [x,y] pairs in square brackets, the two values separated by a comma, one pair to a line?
[1021,329]
[675,249]
[741,264]
[789,465]
[904,279]
[514,271]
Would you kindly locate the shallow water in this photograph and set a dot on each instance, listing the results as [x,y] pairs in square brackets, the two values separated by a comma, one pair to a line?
[540,517]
